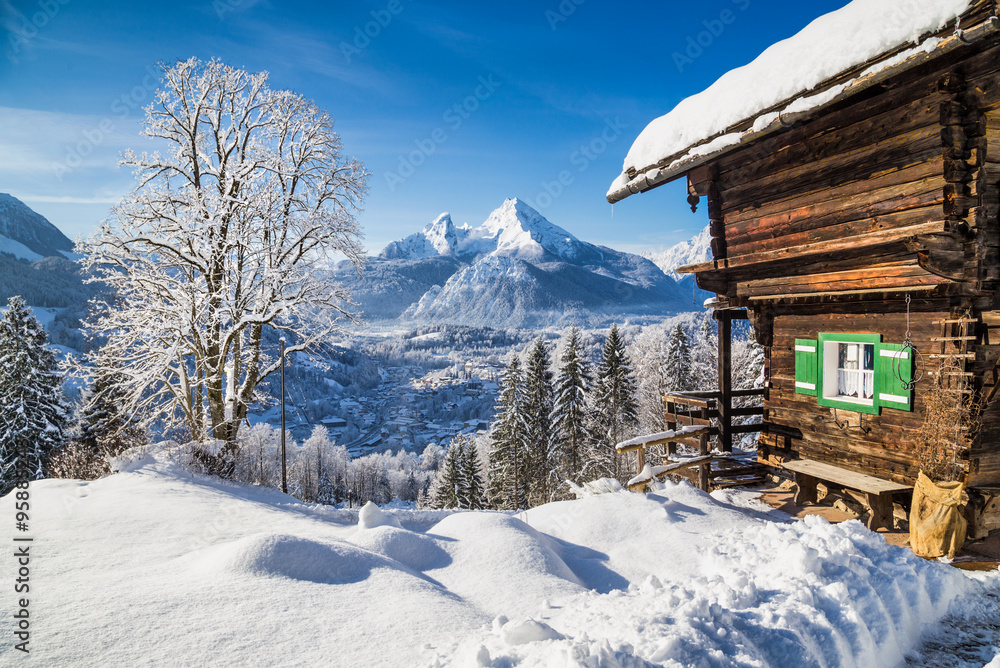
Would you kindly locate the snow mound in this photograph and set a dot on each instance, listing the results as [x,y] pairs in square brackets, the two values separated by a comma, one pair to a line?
[521,633]
[414,550]
[524,566]
[278,555]
[371,516]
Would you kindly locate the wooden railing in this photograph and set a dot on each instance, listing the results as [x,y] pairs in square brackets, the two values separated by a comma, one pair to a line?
[712,408]
[693,418]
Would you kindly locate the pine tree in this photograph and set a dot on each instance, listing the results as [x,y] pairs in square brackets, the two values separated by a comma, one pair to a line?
[569,409]
[678,367]
[613,407]
[538,403]
[33,419]
[507,480]
[411,491]
[473,482]
[451,478]
[706,356]
[327,489]
[102,425]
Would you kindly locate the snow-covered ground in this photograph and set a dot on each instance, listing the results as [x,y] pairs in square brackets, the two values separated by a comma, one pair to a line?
[155,566]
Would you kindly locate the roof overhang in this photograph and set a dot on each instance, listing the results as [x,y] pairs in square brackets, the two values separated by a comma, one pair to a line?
[831,93]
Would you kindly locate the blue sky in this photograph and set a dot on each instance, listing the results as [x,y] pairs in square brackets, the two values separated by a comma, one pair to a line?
[453,106]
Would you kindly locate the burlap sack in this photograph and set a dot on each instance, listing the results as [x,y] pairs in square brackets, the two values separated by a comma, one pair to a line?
[937,528]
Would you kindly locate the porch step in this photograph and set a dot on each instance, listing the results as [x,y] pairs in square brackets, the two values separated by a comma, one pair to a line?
[741,481]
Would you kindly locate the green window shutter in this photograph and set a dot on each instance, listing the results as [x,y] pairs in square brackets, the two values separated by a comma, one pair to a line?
[893,367]
[806,363]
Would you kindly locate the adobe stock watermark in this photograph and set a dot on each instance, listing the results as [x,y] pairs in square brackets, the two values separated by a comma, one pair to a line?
[121,107]
[364,34]
[562,12]
[696,44]
[453,117]
[223,7]
[21,35]
[581,159]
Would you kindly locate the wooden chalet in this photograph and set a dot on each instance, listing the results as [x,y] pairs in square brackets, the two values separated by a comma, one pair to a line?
[856,225]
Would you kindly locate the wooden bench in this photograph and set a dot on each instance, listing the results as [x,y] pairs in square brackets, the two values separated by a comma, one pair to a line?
[878,492]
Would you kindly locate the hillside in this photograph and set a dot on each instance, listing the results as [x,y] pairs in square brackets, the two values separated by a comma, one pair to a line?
[27,234]
[517,269]
[156,566]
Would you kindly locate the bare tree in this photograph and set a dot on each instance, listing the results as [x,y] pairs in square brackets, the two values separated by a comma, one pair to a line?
[224,236]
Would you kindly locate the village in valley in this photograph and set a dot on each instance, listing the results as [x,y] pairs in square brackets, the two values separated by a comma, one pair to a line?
[321,343]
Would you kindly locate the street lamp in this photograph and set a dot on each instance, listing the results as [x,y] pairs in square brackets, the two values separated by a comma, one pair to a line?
[284,472]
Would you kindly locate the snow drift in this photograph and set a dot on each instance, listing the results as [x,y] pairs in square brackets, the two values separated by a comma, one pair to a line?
[154,566]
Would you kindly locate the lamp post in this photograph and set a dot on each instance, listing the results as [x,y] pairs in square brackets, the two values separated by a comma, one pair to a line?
[284,473]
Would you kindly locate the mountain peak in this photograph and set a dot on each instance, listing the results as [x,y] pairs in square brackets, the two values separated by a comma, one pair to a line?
[519,229]
[439,237]
[19,223]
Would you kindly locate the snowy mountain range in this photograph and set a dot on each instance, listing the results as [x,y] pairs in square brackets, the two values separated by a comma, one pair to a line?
[698,249]
[27,234]
[517,269]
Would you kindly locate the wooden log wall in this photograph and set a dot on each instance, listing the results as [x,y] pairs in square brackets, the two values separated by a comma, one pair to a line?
[884,445]
[827,207]
[984,466]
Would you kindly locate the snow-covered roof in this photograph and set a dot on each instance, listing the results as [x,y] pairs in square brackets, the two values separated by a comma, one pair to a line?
[787,80]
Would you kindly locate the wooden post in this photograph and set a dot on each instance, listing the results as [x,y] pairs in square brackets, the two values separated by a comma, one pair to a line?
[805,489]
[640,456]
[725,404]
[703,468]
[284,468]
[671,424]
[880,506]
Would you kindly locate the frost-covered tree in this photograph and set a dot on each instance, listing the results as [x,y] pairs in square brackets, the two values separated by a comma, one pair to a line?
[412,489]
[450,490]
[472,495]
[570,409]
[222,240]
[33,414]
[705,354]
[613,408]
[507,480]
[103,424]
[650,347]
[678,363]
[538,403]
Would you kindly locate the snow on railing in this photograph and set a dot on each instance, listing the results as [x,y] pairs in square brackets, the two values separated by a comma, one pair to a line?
[661,437]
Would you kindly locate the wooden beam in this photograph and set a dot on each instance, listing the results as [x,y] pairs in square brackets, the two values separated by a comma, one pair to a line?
[725,363]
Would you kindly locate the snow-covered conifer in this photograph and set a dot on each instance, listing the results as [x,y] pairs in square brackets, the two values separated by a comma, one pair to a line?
[451,478]
[570,409]
[705,354]
[221,242]
[472,487]
[678,363]
[507,482]
[411,490]
[102,424]
[538,404]
[613,408]
[33,417]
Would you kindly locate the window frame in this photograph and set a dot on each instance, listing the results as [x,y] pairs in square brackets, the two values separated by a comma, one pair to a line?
[828,342]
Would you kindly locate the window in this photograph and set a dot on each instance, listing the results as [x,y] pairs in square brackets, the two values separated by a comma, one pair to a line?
[854,371]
